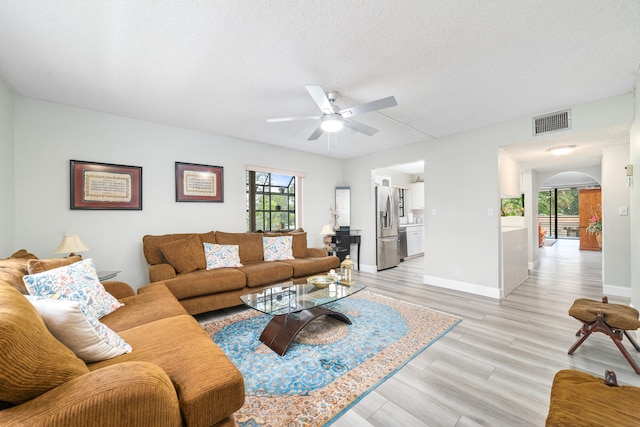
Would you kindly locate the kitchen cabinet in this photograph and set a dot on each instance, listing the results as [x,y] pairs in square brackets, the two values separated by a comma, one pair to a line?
[415,239]
[417,195]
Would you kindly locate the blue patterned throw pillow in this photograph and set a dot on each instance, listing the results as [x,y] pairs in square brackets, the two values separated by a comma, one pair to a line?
[277,248]
[76,282]
[219,256]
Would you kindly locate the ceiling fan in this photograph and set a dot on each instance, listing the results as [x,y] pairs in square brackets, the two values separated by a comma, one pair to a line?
[333,119]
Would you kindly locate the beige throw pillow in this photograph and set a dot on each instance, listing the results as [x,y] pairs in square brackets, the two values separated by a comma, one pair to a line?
[86,336]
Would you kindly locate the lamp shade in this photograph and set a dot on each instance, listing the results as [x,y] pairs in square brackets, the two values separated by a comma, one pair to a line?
[71,244]
[327,230]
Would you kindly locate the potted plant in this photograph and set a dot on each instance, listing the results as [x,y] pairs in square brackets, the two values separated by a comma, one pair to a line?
[595,228]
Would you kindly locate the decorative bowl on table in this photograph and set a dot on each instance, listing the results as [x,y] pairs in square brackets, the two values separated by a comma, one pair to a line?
[320,282]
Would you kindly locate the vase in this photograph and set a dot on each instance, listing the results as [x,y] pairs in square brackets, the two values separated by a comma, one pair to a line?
[599,240]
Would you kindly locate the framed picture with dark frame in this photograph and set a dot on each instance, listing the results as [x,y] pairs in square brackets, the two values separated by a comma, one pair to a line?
[199,183]
[105,186]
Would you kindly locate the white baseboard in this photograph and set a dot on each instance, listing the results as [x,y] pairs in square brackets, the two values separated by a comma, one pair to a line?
[368,268]
[462,286]
[534,265]
[619,291]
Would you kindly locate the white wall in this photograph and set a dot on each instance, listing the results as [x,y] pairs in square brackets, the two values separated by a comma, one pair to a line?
[634,209]
[509,169]
[397,178]
[616,263]
[7,183]
[462,241]
[49,135]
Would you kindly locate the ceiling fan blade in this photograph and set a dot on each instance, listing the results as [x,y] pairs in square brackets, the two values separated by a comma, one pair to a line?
[316,134]
[387,102]
[320,98]
[291,119]
[360,127]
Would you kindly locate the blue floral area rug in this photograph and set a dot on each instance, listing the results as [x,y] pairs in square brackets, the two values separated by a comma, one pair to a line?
[331,365]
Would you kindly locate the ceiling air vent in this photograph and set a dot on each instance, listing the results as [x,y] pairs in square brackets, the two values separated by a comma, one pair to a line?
[552,122]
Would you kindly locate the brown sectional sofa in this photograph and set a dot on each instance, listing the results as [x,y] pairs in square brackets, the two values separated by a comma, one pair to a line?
[178,263]
[175,376]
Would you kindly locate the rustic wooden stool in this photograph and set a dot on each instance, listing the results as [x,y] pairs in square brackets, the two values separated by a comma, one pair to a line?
[579,399]
[612,319]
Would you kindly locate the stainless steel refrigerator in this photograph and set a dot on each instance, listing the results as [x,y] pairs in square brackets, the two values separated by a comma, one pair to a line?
[386,227]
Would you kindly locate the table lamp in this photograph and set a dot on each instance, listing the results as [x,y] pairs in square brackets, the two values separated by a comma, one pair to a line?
[327,232]
[71,244]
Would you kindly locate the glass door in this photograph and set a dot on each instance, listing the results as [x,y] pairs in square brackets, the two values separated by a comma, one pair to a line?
[558,212]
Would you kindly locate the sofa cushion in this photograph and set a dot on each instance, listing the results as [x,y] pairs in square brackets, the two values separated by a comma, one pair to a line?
[201,372]
[78,282]
[185,255]
[36,266]
[264,273]
[219,256]
[153,302]
[89,339]
[32,360]
[309,266]
[151,244]
[299,244]
[277,248]
[250,244]
[206,282]
[12,270]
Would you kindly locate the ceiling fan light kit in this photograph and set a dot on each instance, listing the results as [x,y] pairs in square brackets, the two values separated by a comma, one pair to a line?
[332,123]
[333,119]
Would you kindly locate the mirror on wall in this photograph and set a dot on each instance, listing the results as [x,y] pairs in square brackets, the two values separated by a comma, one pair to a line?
[343,206]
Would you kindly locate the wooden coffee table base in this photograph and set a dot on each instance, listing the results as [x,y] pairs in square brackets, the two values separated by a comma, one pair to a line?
[283,328]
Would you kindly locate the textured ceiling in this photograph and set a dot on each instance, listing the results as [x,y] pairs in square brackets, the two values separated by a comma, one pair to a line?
[224,67]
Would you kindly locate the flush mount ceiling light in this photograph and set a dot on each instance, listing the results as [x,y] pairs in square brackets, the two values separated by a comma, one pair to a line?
[332,123]
[561,151]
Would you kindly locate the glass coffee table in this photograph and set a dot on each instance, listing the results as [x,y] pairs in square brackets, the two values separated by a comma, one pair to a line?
[293,307]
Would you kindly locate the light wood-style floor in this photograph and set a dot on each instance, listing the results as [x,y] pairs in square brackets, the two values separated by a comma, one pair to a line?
[496,367]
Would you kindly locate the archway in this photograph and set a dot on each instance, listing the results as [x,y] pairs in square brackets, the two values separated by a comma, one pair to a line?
[566,203]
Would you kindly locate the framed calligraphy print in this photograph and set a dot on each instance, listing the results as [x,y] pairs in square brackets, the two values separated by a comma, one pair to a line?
[199,183]
[105,186]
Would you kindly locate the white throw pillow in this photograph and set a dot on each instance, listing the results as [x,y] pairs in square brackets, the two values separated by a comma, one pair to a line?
[86,336]
[219,256]
[277,248]
[77,282]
